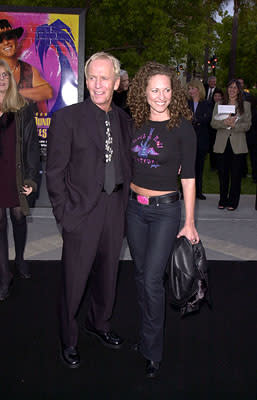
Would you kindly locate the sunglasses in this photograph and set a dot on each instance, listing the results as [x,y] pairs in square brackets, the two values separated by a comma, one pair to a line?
[7,36]
[4,75]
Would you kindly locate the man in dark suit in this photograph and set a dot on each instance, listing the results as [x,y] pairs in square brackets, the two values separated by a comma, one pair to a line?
[88,175]
[209,88]
[120,95]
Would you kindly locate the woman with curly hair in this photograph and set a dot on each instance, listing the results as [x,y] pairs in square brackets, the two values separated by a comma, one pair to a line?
[163,144]
[230,145]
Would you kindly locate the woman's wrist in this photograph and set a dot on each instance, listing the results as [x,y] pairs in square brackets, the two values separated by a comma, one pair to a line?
[190,223]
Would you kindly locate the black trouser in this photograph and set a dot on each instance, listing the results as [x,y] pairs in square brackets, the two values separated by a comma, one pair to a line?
[212,138]
[19,225]
[151,231]
[229,167]
[253,158]
[93,247]
[199,166]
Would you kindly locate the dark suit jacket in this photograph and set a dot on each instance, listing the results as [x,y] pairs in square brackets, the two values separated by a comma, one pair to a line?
[201,121]
[206,86]
[75,161]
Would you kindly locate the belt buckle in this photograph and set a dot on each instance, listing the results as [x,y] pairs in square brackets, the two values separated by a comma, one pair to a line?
[143,200]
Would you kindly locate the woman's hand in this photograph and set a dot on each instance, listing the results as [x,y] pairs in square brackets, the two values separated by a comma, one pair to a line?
[190,233]
[188,230]
[230,121]
[27,190]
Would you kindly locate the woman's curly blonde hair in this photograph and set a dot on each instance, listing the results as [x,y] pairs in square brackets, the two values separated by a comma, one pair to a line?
[140,109]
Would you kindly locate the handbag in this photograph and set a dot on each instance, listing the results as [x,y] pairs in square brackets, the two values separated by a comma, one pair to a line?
[187,285]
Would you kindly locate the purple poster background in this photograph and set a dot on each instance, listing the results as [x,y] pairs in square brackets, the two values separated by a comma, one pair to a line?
[53,42]
[50,43]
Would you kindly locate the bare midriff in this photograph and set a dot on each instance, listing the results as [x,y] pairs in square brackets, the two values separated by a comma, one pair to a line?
[148,192]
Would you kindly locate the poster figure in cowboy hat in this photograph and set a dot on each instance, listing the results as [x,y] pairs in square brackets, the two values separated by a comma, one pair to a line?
[30,83]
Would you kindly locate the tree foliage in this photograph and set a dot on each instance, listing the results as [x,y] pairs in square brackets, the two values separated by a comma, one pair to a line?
[246,50]
[169,31]
[133,31]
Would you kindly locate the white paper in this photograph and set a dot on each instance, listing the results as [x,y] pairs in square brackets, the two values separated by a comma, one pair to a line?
[221,117]
[226,109]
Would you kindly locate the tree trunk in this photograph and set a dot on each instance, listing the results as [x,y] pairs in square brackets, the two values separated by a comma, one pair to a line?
[189,67]
[206,65]
[232,64]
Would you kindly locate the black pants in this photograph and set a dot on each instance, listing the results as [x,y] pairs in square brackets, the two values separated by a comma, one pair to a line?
[229,167]
[199,166]
[93,247]
[19,225]
[212,138]
[151,231]
[253,158]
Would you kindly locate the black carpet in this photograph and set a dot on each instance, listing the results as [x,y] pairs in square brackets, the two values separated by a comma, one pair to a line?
[210,355]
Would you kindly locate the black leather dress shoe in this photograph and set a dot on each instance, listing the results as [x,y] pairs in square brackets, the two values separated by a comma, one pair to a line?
[135,347]
[5,290]
[200,196]
[70,356]
[23,269]
[4,293]
[108,339]
[152,369]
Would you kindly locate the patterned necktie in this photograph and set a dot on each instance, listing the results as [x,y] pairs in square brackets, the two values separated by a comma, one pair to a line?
[109,181]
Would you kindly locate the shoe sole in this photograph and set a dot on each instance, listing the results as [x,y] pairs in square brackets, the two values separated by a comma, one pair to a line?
[153,376]
[26,276]
[110,346]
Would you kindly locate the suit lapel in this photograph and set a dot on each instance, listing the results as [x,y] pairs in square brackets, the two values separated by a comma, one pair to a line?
[124,144]
[191,105]
[91,125]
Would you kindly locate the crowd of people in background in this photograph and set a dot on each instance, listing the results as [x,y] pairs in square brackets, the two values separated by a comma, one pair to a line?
[226,137]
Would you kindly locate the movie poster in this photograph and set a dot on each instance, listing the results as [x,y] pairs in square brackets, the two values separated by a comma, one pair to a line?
[49,59]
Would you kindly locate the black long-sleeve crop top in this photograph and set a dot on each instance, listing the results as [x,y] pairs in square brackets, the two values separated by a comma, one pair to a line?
[158,153]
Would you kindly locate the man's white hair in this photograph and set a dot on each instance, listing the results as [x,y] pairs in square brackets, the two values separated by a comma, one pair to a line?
[123,72]
[104,56]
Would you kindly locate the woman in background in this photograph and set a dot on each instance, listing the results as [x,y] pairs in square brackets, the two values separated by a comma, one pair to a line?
[19,166]
[230,145]
[163,143]
[202,111]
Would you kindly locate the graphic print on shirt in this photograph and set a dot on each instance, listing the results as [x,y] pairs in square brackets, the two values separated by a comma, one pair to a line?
[146,149]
